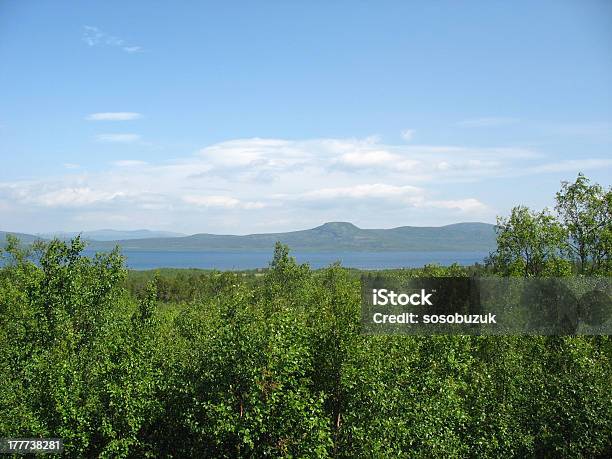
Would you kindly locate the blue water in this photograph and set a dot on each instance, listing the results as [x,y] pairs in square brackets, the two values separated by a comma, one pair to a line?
[252,260]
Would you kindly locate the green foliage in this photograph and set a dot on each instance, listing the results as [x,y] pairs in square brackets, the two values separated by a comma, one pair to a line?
[530,244]
[274,365]
[586,212]
[578,238]
[186,363]
[71,363]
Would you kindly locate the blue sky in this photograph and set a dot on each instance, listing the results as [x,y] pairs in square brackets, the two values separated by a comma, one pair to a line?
[238,117]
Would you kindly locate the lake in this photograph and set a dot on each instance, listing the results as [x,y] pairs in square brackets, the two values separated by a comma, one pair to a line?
[251,260]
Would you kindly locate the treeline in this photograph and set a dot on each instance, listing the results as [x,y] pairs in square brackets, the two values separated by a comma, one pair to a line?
[576,239]
[274,364]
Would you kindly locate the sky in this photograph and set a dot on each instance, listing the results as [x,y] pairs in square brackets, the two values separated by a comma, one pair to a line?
[246,117]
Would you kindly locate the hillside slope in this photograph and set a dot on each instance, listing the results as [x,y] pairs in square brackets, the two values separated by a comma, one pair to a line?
[331,237]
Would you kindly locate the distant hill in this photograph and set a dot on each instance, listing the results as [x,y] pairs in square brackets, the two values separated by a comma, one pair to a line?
[329,237]
[25,238]
[112,235]
[333,236]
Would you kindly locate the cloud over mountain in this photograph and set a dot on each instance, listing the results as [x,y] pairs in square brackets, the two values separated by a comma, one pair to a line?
[267,184]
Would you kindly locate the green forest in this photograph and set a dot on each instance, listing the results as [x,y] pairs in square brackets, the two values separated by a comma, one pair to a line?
[192,363]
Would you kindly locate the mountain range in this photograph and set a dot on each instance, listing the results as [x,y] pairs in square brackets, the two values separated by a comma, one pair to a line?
[329,237]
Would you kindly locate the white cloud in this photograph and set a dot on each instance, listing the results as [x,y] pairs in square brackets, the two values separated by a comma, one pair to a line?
[71,166]
[226,202]
[487,122]
[113,116]
[118,138]
[377,158]
[367,158]
[369,191]
[464,205]
[254,152]
[74,197]
[299,182]
[384,194]
[93,36]
[408,134]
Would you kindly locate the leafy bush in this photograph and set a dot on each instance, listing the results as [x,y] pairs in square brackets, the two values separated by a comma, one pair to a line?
[207,364]
[274,365]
